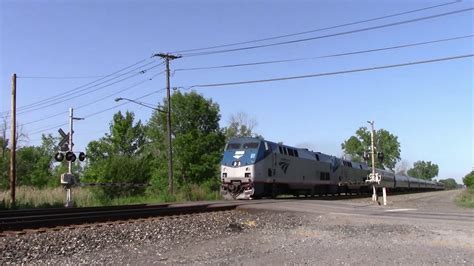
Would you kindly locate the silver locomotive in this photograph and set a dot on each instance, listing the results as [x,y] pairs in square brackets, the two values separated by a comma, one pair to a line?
[253,168]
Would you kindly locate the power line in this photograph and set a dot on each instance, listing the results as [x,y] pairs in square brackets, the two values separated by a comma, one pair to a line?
[331,73]
[42,77]
[86,91]
[84,85]
[113,107]
[319,29]
[118,71]
[123,90]
[331,35]
[325,56]
[97,100]
[68,94]
[47,128]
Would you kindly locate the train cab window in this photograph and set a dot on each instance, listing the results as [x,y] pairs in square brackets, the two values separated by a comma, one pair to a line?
[285,150]
[290,152]
[360,166]
[317,157]
[251,145]
[233,146]
[296,153]
[281,150]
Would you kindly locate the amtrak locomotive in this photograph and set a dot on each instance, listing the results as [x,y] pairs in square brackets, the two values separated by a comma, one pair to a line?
[255,168]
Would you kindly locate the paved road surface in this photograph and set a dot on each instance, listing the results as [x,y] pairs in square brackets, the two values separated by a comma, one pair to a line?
[414,229]
[434,206]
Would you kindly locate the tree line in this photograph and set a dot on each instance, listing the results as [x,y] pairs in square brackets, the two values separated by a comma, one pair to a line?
[387,143]
[136,152]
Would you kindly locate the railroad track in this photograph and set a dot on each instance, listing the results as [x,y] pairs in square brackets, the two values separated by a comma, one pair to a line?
[17,220]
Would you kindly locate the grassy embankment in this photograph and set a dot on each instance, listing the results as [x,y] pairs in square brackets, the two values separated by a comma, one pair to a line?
[29,197]
[466,198]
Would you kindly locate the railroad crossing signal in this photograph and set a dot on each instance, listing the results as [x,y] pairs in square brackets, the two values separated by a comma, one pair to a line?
[69,155]
[64,143]
[65,149]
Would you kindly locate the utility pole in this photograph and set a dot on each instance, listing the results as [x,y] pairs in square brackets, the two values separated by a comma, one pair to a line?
[13,143]
[372,154]
[71,133]
[168,58]
[69,202]
[375,177]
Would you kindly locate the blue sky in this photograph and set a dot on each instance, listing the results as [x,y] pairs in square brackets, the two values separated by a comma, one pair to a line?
[429,107]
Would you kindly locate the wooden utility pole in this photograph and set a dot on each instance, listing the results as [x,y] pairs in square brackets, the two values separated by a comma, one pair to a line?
[168,58]
[13,143]
[372,153]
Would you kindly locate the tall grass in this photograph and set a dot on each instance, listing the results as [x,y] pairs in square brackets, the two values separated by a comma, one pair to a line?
[466,198]
[30,197]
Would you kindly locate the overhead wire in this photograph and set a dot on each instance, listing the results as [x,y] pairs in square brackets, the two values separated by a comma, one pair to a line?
[86,91]
[97,100]
[332,34]
[84,85]
[320,29]
[50,127]
[329,73]
[324,56]
[44,77]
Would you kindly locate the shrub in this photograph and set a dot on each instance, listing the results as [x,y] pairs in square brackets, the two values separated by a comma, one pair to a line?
[469,180]
[119,170]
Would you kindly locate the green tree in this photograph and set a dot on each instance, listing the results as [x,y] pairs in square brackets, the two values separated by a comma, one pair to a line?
[240,125]
[423,170]
[449,183]
[468,180]
[197,139]
[4,166]
[117,157]
[385,142]
[35,164]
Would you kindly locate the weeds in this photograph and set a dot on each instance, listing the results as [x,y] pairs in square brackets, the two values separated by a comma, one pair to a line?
[30,197]
[466,198]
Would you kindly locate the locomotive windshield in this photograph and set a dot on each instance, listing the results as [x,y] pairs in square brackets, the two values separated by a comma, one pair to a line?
[251,145]
[240,146]
[233,146]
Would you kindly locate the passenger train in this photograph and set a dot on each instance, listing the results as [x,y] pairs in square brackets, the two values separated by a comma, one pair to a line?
[253,168]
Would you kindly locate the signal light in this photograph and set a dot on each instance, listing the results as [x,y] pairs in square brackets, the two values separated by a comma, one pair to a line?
[365,156]
[59,156]
[380,156]
[70,156]
[82,156]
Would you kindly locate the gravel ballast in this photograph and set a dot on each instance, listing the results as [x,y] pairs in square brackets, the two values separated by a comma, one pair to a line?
[336,235]
[127,242]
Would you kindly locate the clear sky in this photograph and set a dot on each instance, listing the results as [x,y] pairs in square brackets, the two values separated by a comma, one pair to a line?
[429,107]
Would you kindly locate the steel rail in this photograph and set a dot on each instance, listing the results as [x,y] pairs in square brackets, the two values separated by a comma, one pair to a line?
[67,217]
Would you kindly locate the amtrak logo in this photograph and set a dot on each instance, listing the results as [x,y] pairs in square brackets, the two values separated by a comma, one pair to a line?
[284,165]
[238,154]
